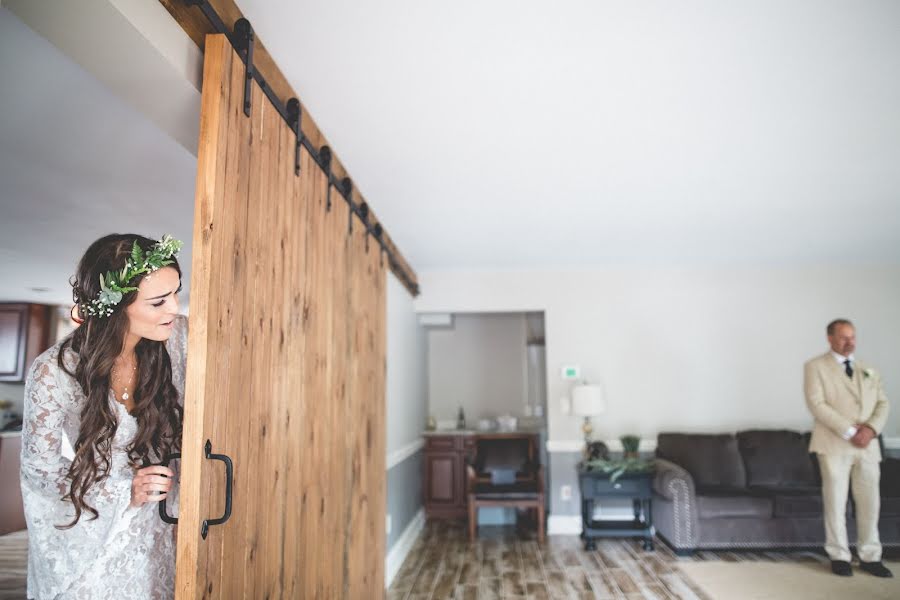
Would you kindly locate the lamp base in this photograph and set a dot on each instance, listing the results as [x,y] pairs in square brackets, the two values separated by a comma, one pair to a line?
[588,429]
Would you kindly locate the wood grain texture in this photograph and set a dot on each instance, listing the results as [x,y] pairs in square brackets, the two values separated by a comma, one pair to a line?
[195,25]
[286,370]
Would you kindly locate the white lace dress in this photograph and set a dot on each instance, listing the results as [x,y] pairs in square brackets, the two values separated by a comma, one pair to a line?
[124,553]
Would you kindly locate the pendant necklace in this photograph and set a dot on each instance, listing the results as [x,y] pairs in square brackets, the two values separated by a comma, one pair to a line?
[125,395]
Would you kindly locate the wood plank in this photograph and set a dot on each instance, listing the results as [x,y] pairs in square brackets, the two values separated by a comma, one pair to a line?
[273,208]
[257,393]
[342,414]
[316,330]
[195,477]
[194,23]
[225,372]
[490,588]
[302,197]
[559,585]
[359,582]
[537,591]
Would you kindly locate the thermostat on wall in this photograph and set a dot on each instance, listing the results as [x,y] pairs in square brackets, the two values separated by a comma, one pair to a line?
[571,372]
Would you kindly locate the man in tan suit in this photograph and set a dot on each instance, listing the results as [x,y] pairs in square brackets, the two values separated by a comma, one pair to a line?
[850,409]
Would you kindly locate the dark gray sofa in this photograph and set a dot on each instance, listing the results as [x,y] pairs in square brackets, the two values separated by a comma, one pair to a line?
[751,490]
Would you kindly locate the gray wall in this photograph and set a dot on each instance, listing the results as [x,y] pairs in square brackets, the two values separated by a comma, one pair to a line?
[404,495]
[406,392]
[480,364]
[683,349]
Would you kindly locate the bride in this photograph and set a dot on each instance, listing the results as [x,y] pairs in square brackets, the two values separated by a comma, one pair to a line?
[103,408]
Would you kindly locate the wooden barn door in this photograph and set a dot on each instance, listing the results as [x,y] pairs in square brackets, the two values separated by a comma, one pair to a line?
[285,369]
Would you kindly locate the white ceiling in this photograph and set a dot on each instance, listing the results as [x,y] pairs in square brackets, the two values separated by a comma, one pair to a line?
[75,163]
[509,134]
[519,133]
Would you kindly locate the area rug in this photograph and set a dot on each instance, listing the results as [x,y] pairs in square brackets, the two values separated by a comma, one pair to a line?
[788,581]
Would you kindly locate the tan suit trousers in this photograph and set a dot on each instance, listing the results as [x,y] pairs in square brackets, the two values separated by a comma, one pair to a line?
[839,473]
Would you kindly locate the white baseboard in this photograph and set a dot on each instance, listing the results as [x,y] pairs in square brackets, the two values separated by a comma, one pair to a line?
[401,548]
[564,525]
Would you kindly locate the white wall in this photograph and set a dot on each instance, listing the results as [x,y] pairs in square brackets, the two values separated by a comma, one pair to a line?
[407,352]
[479,363]
[690,349]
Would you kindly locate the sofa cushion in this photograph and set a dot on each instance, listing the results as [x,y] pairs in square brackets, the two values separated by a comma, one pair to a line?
[794,506]
[797,505]
[890,507]
[718,506]
[777,458]
[712,460]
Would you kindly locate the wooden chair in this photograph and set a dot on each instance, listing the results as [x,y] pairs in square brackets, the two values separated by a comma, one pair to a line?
[505,473]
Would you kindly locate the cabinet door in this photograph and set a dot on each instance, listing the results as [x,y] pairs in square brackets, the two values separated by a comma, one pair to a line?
[12,512]
[443,479]
[13,335]
[24,334]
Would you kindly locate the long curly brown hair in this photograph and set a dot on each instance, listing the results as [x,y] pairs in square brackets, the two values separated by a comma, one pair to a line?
[96,344]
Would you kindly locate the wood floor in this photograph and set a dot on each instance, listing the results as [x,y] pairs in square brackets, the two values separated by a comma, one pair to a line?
[506,564]
[13,565]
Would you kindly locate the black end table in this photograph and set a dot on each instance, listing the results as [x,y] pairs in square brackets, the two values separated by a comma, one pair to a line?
[596,485]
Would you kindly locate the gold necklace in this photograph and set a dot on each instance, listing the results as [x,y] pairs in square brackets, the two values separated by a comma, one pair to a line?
[117,378]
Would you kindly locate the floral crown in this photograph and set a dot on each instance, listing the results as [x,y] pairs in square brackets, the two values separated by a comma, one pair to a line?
[115,284]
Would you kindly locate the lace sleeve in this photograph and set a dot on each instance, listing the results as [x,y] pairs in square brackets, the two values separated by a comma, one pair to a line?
[177,348]
[58,558]
[44,441]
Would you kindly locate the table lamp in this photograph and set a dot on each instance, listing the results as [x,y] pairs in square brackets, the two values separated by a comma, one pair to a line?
[588,401]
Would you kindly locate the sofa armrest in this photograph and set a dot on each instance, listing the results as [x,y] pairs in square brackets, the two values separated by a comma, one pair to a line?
[675,508]
[671,478]
[890,478]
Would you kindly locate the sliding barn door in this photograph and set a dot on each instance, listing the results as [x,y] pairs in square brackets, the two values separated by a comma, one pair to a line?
[286,367]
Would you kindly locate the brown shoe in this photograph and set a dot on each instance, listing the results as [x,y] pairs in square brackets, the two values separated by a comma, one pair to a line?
[875,568]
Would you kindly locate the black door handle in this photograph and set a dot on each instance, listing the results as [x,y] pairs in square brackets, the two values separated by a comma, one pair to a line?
[162,503]
[229,478]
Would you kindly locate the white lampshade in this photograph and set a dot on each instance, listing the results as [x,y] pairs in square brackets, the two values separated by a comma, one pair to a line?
[588,400]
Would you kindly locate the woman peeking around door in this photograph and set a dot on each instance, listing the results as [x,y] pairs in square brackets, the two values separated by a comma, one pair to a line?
[103,407]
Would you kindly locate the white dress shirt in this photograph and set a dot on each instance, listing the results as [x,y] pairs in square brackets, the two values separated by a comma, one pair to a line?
[841,359]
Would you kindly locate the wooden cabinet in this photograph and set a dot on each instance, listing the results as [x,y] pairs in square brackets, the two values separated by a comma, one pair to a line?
[12,512]
[445,462]
[24,334]
[445,474]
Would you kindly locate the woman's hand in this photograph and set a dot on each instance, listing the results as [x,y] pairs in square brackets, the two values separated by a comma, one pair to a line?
[151,484]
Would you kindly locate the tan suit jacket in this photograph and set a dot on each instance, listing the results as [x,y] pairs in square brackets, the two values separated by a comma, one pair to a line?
[838,402]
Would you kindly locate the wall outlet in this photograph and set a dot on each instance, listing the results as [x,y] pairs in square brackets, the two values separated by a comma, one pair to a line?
[565,492]
[387,524]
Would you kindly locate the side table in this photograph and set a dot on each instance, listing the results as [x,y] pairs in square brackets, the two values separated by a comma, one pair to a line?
[596,485]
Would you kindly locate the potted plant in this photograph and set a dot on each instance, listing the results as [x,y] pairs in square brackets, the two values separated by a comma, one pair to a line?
[630,444]
[629,463]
